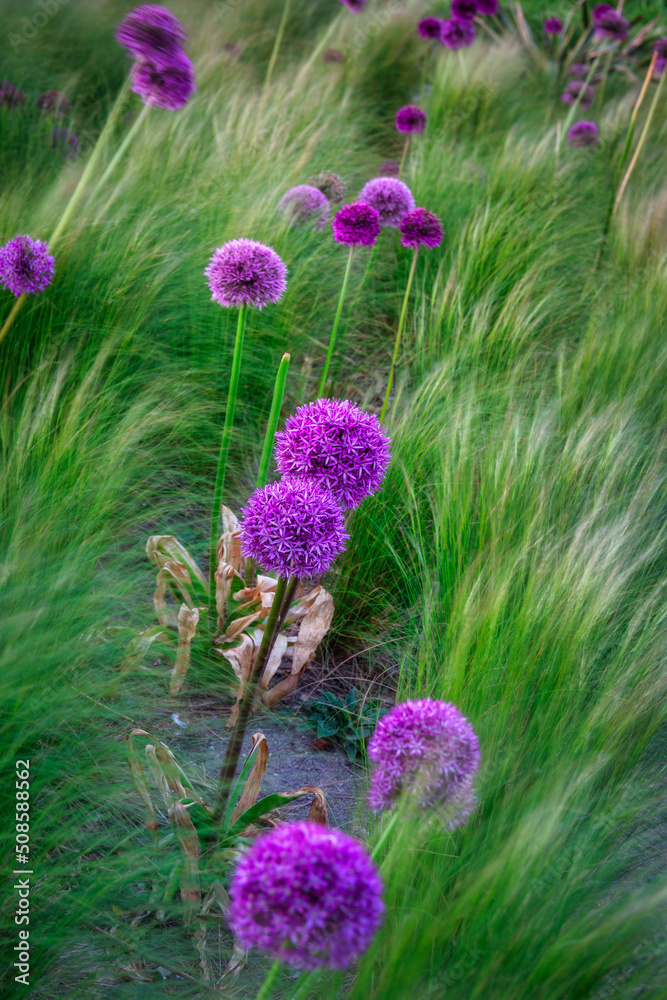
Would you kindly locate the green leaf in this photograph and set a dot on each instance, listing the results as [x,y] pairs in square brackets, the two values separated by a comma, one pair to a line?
[238,788]
[260,808]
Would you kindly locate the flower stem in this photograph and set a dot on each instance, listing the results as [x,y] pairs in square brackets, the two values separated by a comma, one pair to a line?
[385,835]
[276,44]
[573,110]
[266,989]
[222,461]
[6,326]
[635,112]
[404,155]
[640,145]
[136,124]
[397,344]
[332,340]
[274,417]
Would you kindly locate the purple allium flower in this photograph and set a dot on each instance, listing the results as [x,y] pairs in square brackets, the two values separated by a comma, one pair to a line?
[553,26]
[390,197]
[233,50]
[661,48]
[430,27]
[164,85]
[583,134]
[660,64]
[10,96]
[331,185]
[333,56]
[609,23]
[307,895]
[54,102]
[572,91]
[410,119]
[390,168]
[152,33]
[26,266]
[464,9]
[457,33]
[427,749]
[334,443]
[356,6]
[357,225]
[420,228]
[579,71]
[487,6]
[66,141]
[305,205]
[294,527]
[246,273]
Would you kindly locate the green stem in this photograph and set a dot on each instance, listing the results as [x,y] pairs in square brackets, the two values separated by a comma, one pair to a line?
[635,112]
[332,340]
[266,989]
[404,154]
[397,344]
[640,145]
[222,460]
[136,124]
[573,110]
[274,417]
[276,44]
[385,835]
[6,326]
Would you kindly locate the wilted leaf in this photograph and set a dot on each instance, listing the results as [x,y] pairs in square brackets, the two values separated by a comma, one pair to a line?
[137,650]
[314,626]
[252,787]
[139,779]
[187,627]
[189,843]
[178,571]
[317,814]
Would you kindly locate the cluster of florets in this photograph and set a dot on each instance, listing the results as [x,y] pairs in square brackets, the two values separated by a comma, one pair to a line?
[26,266]
[609,23]
[553,26]
[162,75]
[305,205]
[391,199]
[357,225]
[10,96]
[457,33]
[660,48]
[464,9]
[410,119]
[583,134]
[331,185]
[578,90]
[54,103]
[356,6]
[246,273]
[421,228]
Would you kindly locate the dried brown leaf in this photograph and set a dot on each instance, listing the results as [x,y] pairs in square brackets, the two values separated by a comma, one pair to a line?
[253,785]
[188,841]
[188,619]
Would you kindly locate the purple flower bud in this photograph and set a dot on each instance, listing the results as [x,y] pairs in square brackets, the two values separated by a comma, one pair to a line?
[152,33]
[331,185]
[465,10]
[553,26]
[294,527]
[420,228]
[356,6]
[305,205]
[164,85]
[573,90]
[487,6]
[390,197]
[583,134]
[609,23]
[333,56]
[430,27]
[357,225]
[26,266]
[10,96]
[338,445]
[661,48]
[457,33]
[246,273]
[54,102]
[579,71]
[307,895]
[410,119]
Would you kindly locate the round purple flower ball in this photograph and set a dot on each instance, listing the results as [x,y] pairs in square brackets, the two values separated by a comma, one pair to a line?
[553,26]
[151,32]
[464,9]
[411,119]
[331,185]
[457,33]
[54,102]
[574,89]
[661,48]
[391,198]
[168,85]
[357,225]
[430,27]
[583,134]
[246,273]
[356,6]
[336,444]
[578,70]
[305,205]
[420,228]
[307,895]
[26,266]
[609,23]
[295,527]
[10,96]
[487,6]
[428,750]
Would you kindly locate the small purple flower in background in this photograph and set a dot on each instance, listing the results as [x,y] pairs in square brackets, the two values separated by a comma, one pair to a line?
[10,96]
[66,141]
[246,273]
[152,33]
[390,197]
[487,6]
[428,750]
[457,33]
[26,266]
[410,119]
[164,85]
[609,23]
[356,225]
[430,27]
[333,56]
[339,446]
[574,89]
[233,50]
[583,134]
[294,527]
[661,62]
[390,168]
[553,26]
[356,6]
[465,10]
[305,205]
[578,70]
[420,228]
[306,895]
[331,185]
[54,102]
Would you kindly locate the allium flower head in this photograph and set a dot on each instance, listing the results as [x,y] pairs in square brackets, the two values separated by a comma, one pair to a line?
[336,444]
[430,27]
[609,23]
[307,895]
[333,56]
[66,141]
[410,119]
[54,102]
[572,91]
[464,9]
[10,96]
[168,85]
[457,33]
[553,26]
[390,168]
[246,273]
[428,750]
[26,266]
[294,527]
[583,134]
[390,197]
[661,62]
[487,6]
[305,205]
[331,185]
[151,32]
[356,6]
[578,70]
[420,228]
[357,225]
